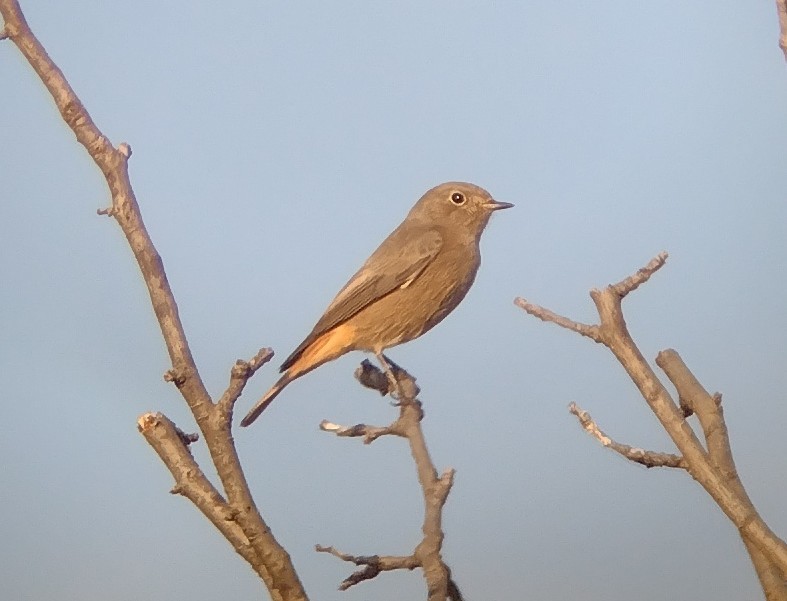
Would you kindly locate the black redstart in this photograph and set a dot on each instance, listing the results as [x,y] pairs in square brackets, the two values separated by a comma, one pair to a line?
[416,277]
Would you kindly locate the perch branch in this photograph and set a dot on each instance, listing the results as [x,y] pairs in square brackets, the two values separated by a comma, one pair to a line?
[273,563]
[647,458]
[435,489]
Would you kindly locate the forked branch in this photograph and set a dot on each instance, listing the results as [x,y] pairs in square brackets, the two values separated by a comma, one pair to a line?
[711,465]
[427,553]
[234,513]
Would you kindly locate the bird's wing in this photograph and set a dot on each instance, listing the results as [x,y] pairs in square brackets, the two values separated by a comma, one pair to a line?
[399,260]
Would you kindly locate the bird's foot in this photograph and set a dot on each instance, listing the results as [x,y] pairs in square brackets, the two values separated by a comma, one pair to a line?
[401,385]
[391,379]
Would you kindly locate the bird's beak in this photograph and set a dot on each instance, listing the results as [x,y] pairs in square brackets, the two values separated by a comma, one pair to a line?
[494,205]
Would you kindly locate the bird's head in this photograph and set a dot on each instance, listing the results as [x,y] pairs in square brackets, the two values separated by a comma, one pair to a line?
[458,206]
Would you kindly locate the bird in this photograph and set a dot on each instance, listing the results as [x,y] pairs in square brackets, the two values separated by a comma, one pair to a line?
[417,276]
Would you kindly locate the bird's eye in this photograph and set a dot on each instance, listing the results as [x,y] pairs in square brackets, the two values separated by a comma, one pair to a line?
[458,198]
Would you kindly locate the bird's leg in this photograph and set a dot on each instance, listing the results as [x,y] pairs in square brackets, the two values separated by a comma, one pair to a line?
[388,367]
[402,386]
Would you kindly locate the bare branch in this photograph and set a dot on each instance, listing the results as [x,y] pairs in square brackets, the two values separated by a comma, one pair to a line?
[711,416]
[272,562]
[373,564]
[738,509]
[369,433]
[712,470]
[240,374]
[114,165]
[697,400]
[621,289]
[435,490]
[647,458]
[632,282]
[545,314]
[781,8]
[190,481]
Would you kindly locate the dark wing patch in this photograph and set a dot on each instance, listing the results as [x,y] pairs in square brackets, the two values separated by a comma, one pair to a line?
[398,261]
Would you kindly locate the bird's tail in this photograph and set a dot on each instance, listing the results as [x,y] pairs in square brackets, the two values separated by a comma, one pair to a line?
[266,400]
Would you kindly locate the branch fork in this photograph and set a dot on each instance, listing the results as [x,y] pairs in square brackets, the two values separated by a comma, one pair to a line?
[710,464]
[234,512]
[401,386]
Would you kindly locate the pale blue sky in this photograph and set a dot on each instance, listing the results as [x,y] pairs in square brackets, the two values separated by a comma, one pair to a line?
[275,145]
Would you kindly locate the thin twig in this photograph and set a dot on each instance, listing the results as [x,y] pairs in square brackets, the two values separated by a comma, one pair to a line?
[545,314]
[647,458]
[369,433]
[373,565]
[634,281]
[240,374]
